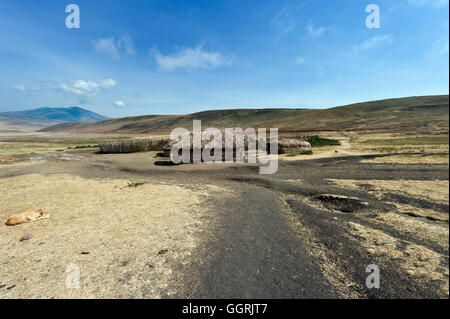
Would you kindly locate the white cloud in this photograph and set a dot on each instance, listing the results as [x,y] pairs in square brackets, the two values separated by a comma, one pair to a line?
[84,89]
[26,89]
[313,32]
[107,46]
[373,43]
[108,83]
[19,87]
[115,48]
[299,60]
[191,58]
[81,87]
[119,103]
[433,3]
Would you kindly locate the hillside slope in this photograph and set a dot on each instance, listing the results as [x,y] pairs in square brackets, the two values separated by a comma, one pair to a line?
[412,112]
[10,124]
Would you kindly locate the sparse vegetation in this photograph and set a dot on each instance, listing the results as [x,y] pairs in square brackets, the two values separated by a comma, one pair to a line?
[418,140]
[317,141]
[12,148]
[135,184]
[78,147]
[408,158]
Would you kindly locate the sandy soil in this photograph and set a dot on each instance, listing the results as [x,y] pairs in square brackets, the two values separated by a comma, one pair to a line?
[413,159]
[434,190]
[112,231]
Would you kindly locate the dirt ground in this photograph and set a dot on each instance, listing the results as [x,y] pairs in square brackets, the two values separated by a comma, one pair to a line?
[107,227]
[139,228]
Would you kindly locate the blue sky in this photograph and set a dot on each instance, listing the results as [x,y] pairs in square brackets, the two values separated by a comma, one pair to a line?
[139,57]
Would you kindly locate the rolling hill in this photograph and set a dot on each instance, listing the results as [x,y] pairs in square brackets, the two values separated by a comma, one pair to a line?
[403,113]
[11,125]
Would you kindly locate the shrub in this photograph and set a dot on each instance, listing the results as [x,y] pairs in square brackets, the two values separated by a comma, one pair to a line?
[317,141]
[135,184]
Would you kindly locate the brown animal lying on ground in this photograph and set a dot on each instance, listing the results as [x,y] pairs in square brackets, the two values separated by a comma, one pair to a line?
[26,218]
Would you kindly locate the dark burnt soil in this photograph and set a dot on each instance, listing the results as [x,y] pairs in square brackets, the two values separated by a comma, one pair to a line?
[251,248]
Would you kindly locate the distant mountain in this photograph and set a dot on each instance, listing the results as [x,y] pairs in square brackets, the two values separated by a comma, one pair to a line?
[56,114]
[404,113]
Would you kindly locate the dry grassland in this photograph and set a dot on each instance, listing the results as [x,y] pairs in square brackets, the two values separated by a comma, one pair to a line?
[113,232]
[416,260]
[430,190]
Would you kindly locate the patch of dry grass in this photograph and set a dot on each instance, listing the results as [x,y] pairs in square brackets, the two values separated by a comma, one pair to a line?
[430,231]
[422,141]
[120,230]
[38,142]
[410,140]
[409,159]
[422,261]
[436,190]
[421,212]
[375,242]
[417,261]
[16,148]
[5,159]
